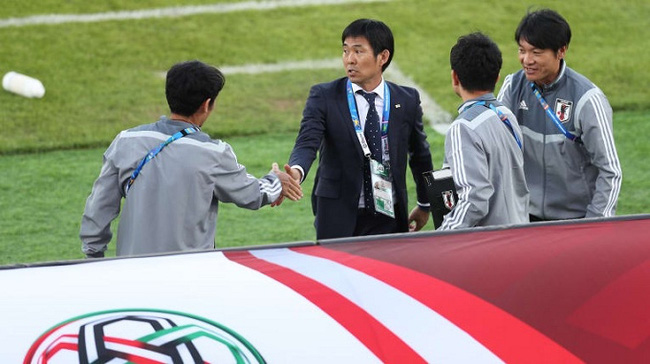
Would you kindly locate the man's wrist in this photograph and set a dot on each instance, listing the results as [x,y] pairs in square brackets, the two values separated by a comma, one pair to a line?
[424,207]
[300,170]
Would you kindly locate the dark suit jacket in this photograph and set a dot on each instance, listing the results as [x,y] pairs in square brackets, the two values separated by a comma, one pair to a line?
[327,127]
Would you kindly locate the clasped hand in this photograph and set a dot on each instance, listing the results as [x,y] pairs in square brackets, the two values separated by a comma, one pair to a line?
[290,184]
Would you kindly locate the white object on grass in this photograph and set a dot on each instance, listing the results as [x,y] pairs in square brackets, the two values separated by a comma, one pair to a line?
[23,85]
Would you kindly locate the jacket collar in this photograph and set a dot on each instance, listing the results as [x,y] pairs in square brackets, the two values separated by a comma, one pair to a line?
[178,123]
[555,84]
[467,104]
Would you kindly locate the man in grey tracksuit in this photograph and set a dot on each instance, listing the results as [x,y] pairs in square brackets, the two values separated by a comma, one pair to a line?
[172,203]
[568,178]
[483,146]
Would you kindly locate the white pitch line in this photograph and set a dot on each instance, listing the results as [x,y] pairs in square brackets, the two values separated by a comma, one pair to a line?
[170,12]
[256,68]
[437,116]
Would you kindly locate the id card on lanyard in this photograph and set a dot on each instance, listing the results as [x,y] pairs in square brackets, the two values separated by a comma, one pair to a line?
[382,187]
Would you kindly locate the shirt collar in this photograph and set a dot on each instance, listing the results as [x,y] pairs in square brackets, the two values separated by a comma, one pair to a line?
[379,90]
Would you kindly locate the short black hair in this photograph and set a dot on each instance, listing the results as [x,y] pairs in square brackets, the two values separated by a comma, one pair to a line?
[189,84]
[544,29]
[476,59]
[376,32]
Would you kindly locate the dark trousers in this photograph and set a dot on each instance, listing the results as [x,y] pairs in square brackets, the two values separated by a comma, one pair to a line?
[534,218]
[372,223]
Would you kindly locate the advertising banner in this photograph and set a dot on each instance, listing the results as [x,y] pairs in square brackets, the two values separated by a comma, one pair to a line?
[551,293]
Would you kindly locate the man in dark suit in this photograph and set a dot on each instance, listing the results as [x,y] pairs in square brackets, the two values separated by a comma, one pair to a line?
[335,123]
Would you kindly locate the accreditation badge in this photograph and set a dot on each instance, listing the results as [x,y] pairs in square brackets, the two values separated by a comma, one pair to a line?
[382,188]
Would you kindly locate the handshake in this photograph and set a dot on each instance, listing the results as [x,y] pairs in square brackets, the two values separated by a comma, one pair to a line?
[290,180]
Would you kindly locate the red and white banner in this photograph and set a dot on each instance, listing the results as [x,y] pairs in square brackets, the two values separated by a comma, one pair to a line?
[551,293]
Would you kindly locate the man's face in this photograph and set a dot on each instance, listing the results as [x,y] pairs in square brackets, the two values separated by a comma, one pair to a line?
[540,65]
[361,65]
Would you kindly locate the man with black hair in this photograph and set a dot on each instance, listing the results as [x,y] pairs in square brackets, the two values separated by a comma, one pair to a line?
[172,176]
[570,159]
[483,146]
[364,129]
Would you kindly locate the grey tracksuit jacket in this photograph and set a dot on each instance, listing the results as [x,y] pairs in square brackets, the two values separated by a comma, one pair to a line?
[566,179]
[487,167]
[173,203]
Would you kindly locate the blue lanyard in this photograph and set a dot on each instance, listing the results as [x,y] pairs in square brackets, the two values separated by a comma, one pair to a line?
[504,119]
[152,153]
[552,115]
[352,105]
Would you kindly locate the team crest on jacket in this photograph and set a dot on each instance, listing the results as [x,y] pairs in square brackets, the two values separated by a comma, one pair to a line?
[563,109]
[448,199]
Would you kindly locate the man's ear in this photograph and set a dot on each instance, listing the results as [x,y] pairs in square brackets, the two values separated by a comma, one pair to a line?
[205,106]
[454,78]
[384,56]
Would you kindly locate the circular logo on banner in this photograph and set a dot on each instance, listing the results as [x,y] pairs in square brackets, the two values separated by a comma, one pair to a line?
[141,336]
